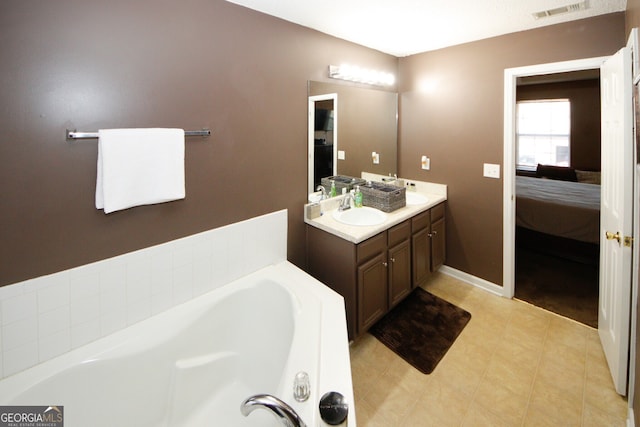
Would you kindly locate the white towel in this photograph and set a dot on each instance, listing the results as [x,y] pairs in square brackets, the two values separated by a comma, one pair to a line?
[139,167]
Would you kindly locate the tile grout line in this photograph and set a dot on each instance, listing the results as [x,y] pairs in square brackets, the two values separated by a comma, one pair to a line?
[535,376]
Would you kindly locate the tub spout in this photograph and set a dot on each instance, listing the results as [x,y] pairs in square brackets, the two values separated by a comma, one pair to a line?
[283,412]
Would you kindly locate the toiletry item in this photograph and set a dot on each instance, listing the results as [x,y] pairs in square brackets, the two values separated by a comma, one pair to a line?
[357,197]
[333,192]
[313,210]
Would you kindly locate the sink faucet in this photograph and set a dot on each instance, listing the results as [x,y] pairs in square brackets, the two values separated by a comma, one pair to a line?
[344,204]
[283,412]
[324,192]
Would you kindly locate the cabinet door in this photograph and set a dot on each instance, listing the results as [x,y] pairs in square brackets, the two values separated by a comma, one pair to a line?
[372,291]
[421,256]
[437,244]
[399,272]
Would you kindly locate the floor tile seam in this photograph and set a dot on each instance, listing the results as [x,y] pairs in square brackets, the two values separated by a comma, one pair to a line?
[584,387]
[483,377]
[535,378]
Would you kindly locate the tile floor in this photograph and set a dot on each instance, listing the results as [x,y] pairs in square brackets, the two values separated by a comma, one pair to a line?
[513,365]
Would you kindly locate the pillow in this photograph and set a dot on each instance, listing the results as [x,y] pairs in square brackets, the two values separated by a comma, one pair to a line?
[589,177]
[561,173]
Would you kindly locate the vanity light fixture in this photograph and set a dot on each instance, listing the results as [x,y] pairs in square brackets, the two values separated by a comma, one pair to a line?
[361,75]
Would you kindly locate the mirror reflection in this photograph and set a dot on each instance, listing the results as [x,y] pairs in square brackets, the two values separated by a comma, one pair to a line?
[347,125]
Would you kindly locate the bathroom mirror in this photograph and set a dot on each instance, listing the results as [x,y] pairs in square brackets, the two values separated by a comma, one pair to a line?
[347,124]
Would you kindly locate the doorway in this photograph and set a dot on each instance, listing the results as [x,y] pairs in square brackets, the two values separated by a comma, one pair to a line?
[558,152]
[509,161]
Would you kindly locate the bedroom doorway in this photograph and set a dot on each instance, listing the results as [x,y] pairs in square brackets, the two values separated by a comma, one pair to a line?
[512,77]
[558,150]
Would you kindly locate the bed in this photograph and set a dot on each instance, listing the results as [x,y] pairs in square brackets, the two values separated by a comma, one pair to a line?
[559,208]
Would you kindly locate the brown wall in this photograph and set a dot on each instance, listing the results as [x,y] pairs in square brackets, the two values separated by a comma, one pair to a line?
[90,64]
[584,96]
[458,123]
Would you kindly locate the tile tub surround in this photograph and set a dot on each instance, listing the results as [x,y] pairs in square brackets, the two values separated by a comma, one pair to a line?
[47,316]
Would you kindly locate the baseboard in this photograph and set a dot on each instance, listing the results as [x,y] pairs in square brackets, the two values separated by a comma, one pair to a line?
[473,280]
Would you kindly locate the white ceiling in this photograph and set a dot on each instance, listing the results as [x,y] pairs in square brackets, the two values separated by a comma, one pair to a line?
[406,27]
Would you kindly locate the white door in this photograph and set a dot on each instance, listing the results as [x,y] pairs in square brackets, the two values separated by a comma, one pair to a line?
[616,214]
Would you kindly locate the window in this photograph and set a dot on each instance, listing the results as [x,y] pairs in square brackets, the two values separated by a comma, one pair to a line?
[543,133]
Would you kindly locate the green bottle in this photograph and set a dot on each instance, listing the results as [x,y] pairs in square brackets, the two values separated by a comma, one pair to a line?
[357,196]
[332,192]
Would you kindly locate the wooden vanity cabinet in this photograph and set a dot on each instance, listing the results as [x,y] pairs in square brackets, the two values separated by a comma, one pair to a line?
[427,243]
[376,274]
[383,273]
[437,237]
[399,261]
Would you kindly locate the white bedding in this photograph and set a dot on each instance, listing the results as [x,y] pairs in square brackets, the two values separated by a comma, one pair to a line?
[560,208]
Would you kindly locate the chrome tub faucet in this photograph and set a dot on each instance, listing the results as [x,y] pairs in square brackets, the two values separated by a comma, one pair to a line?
[283,412]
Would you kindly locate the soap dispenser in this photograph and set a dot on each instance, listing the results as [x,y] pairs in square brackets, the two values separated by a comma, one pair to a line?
[333,192]
[357,197]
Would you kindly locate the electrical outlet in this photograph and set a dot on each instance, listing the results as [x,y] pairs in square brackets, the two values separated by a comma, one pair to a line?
[426,163]
[491,170]
[375,157]
[341,155]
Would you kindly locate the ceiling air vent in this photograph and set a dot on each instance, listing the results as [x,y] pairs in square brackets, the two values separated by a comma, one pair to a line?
[575,7]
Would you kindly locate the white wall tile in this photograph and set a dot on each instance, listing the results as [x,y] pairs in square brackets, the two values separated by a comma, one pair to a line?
[138,310]
[55,295]
[20,358]
[83,283]
[1,358]
[202,276]
[44,317]
[83,310]
[161,301]
[53,322]
[19,333]
[182,284]
[84,333]
[10,291]
[161,257]
[112,321]
[19,307]
[182,252]
[54,345]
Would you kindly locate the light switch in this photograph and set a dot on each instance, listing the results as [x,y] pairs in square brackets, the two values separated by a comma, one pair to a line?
[340,154]
[491,170]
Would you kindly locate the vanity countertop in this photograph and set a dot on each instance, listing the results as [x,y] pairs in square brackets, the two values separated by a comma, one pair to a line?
[358,233]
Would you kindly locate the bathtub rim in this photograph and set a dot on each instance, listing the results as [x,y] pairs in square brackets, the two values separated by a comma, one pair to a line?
[333,365]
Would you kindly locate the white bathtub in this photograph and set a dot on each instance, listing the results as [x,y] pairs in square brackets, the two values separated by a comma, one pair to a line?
[194,364]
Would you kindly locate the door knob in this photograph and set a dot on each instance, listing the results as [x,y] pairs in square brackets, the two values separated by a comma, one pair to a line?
[611,236]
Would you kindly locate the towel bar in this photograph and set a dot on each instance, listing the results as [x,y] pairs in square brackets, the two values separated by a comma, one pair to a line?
[74,134]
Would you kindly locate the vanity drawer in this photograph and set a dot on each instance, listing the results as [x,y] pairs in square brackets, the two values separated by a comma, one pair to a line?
[399,232]
[371,247]
[420,221]
[437,212]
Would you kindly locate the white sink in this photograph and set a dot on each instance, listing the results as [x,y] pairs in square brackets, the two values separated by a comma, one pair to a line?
[360,216]
[416,198]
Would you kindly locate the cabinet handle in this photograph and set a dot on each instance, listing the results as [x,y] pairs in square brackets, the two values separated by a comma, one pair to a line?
[385,264]
[393,260]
